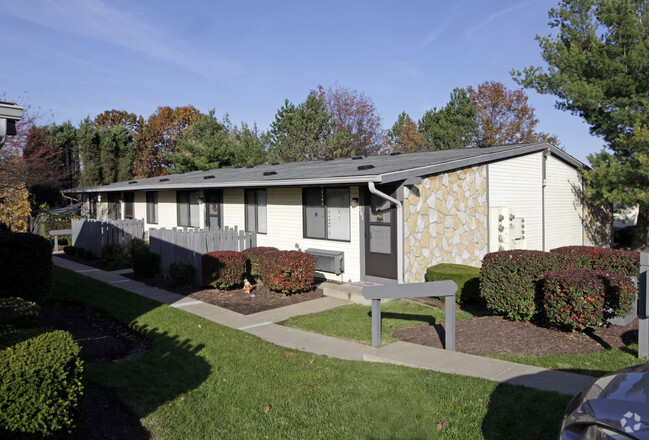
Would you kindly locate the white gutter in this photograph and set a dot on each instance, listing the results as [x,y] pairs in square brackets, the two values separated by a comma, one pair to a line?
[375,191]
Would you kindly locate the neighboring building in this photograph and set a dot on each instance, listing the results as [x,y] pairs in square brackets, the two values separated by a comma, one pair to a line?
[10,113]
[392,216]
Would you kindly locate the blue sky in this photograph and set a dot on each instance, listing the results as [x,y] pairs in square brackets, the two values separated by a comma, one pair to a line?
[77,58]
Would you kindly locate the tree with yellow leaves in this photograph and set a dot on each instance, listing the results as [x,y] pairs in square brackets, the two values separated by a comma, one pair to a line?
[14,207]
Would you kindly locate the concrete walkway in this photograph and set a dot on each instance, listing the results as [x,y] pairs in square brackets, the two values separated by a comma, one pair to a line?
[263,325]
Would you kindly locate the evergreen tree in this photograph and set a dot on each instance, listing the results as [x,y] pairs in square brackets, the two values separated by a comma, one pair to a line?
[453,126]
[305,132]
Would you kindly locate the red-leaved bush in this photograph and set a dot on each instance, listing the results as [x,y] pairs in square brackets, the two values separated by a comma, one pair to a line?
[223,269]
[255,263]
[581,298]
[613,260]
[288,271]
[509,280]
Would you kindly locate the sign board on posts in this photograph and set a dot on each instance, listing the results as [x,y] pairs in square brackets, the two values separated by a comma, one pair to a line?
[445,288]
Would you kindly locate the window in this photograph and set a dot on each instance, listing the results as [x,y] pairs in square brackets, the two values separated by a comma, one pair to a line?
[129,204]
[114,207]
[187,205]
[152,207]
[326,213]
[256,210]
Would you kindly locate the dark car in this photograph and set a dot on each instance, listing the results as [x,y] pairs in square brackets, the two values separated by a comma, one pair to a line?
[614,407]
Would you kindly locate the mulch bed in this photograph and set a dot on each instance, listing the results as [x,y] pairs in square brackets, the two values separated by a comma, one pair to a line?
[496,335]
[260,298]
[102,339]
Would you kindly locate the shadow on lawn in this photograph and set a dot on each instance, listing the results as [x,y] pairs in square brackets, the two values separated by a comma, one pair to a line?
[521,412]
[171,368]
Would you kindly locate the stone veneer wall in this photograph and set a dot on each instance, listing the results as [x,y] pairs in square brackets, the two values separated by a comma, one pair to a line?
[445,221]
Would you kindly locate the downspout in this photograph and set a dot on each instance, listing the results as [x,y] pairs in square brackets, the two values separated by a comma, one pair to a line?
[399,205]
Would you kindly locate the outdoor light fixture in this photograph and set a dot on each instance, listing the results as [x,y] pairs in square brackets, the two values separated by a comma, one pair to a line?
[99,198]
[354,202]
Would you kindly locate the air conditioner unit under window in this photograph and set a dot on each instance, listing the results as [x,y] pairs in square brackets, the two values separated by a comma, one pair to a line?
[328,261]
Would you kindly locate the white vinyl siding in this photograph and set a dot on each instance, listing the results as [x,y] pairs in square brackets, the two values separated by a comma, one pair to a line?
[563,210]
[140,206]
[234,213]
[285,230]
[517,184]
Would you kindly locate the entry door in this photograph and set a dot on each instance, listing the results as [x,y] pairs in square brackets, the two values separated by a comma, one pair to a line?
[213,220]
[380,238]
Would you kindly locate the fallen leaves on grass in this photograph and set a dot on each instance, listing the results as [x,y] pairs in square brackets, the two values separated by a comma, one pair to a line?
[441,425]
[265,409]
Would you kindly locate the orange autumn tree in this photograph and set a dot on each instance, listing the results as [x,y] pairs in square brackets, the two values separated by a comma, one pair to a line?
[504,116]
[158,138]
[405,136]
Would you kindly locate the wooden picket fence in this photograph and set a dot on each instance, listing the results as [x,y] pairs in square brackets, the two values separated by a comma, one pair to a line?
[94,234]
[188,246]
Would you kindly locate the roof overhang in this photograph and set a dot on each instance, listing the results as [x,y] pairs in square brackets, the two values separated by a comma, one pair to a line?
[321,173]
[9,114]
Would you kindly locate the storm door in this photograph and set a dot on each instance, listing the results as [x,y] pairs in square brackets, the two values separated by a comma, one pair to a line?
[380,238]
[213,220]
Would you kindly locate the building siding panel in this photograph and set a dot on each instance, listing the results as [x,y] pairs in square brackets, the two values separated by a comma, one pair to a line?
[563,209]
[517,184]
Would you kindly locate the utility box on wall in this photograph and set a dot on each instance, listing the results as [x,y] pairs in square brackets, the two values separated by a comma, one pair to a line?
[506,231]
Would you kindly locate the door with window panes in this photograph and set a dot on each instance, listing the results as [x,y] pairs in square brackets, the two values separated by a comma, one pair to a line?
[213,210]
[380,237]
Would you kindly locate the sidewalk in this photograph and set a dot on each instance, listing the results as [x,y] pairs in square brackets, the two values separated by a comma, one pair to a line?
[263,325]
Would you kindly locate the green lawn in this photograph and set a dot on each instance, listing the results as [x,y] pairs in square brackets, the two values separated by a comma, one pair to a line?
[593,364]
[353,323]
[203,380]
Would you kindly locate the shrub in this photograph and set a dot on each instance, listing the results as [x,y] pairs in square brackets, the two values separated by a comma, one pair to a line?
[288,271]
[25,266]
[18,313]
[13,337]
[136,246]
[254,263]
[467,279]
[181,274]
[41,387]
[70,250]
[509,280]
[614,260]
[146,264]
[85,254]
[223,269]
[114,255]
[581,298]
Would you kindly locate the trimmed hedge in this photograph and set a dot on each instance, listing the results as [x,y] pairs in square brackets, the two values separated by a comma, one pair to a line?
[509,280]
[25,266]
[467,279]
[223,269]
[18,313]
[114,255]
[581,298]
[288,271]
[41,387]
[146,264]
[614,260]
[254,264]
[181,274]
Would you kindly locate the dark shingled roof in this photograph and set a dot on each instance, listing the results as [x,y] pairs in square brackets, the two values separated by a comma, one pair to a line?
[378,169]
